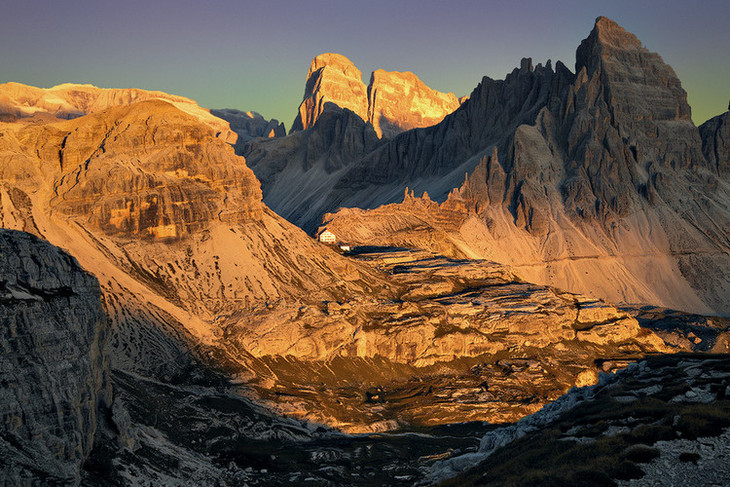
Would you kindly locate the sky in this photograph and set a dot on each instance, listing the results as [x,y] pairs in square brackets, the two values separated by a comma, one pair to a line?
[254,55]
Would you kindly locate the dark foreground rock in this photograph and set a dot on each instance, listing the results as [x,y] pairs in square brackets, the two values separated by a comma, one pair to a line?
[663,421]
[52,370]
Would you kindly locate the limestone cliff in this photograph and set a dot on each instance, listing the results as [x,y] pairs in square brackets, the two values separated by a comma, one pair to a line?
[401,101]
[332,78]
[196,272]
[169,220]
[52,371]
[393,102]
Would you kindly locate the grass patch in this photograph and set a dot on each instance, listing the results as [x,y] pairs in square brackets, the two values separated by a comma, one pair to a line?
[698,420]
[640,454]
[689,457]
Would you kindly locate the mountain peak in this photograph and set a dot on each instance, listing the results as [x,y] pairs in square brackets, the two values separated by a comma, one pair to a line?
[605,38]
[331,78]
[337,62]
[393,101]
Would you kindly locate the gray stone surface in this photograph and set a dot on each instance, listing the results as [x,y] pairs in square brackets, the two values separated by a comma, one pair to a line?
[52,371]
[715,135]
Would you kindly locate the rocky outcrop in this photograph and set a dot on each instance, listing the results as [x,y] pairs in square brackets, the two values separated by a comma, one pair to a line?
[169,220]
[249,125]
[53,380]
[332,78]
[149,192]
[477,344]
[70,100]
[195,269]
[344,123]
[401,101]
[715,135]
[662,421]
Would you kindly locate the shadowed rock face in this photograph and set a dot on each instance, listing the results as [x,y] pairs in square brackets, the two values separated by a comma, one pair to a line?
[52,371]
[249,125]
[662,421]
[344,122]
[715,135]
[594,182]
[194,268]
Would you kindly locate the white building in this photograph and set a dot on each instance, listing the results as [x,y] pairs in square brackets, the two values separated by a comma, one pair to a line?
[327,237]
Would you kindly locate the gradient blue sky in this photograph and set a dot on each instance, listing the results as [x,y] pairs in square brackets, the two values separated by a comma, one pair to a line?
[254,55]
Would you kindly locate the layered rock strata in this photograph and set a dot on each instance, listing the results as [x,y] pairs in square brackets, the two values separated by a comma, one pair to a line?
[461,341]
[715,135]
[53,381]
[169,220]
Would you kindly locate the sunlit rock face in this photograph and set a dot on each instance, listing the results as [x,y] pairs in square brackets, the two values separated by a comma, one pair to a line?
[195,269]
[117,174]
[332,78]
[52,371]
[401,101]
[460,340]
[392,103]
[168,218]
[70,100]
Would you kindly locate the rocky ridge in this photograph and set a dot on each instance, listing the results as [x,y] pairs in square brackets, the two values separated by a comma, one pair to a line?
[198,274]
[568,176]
[249,125]
[167,218]
[195,269]
[67,101]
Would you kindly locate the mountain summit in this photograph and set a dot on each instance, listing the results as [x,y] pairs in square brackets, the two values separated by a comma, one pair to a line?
[392,103]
